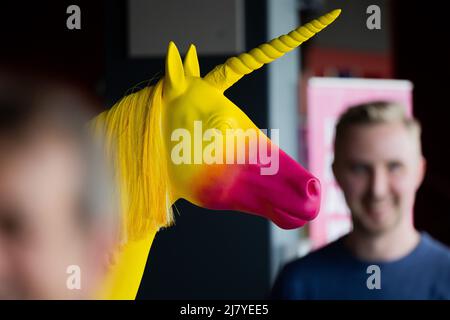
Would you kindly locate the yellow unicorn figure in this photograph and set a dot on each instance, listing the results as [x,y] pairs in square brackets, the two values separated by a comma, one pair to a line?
[141,144]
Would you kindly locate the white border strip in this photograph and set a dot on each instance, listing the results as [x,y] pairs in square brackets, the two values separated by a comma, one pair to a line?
[361,83]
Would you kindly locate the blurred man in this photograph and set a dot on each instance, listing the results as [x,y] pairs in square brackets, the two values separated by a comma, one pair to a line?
[55,226]
[379,166]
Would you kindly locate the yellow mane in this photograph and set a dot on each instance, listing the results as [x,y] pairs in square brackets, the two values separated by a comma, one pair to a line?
[132,132]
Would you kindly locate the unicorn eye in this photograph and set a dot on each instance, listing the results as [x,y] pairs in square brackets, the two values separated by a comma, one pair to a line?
[225,126]
[220,123]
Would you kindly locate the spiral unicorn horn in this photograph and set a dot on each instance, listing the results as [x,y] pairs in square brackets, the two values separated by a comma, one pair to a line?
[225,75]
[149,135]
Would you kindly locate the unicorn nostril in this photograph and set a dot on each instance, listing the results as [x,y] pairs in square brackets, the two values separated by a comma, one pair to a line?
[313,188]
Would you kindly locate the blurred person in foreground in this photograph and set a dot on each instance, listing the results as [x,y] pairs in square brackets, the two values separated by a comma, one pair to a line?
[56,221]
[379,166]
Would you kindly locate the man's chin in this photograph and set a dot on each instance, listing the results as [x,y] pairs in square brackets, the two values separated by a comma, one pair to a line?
[375,225]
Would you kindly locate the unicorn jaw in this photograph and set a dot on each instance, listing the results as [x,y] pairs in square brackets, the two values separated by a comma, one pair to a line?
[289,198]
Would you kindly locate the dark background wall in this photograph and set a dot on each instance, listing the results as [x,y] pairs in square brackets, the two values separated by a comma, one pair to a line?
[422,55]
[34,39]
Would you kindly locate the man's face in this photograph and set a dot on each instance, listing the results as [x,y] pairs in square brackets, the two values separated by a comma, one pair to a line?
[40,236]
[379,168]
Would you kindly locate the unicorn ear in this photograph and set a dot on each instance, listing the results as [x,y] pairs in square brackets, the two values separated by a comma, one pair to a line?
[191,66]
[174,80]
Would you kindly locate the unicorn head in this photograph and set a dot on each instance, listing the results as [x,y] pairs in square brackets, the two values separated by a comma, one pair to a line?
[217,153]
[195,108]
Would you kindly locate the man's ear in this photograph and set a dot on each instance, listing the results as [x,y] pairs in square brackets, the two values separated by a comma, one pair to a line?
[422,171]
[103,247]
[335,172]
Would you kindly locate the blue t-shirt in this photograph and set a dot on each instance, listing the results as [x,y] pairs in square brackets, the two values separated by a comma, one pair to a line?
[334,273]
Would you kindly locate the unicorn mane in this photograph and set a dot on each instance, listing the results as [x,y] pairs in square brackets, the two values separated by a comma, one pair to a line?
[133,140]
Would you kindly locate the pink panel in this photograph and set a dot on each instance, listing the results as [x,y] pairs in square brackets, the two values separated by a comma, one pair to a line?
[327,98]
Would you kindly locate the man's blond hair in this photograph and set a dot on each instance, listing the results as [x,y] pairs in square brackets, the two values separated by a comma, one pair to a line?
[377,112]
